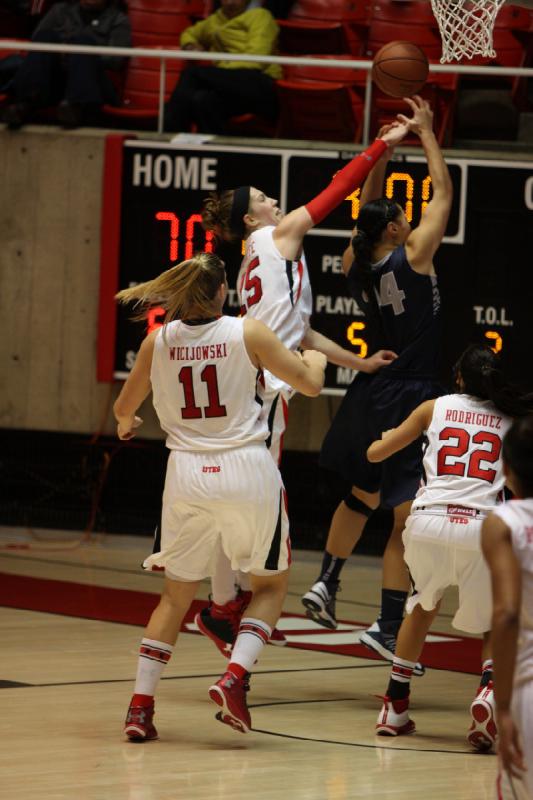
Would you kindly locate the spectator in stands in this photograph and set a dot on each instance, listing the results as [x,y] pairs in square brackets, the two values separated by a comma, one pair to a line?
[79,83]
[208,95]
[280,9]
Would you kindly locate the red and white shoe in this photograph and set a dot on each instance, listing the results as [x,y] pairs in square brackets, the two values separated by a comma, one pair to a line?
[139,726]
[393,719]
[483,732]
[230,694]
[278,638]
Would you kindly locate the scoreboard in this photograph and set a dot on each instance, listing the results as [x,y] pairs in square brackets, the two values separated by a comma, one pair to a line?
[153,195]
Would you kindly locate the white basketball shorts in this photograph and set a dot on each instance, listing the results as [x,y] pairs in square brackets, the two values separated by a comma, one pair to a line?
[232,500]
[442,553]
[508,787]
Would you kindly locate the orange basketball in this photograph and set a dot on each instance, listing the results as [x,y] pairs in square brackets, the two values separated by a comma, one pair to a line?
[400,69]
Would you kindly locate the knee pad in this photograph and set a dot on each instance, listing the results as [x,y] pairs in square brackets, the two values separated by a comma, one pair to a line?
[354,504]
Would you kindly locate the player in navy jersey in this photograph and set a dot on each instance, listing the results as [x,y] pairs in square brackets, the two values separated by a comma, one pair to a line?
[222,489]
[390,273]
[274,287]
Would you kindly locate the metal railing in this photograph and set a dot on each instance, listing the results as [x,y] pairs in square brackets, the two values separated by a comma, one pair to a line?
[163,55]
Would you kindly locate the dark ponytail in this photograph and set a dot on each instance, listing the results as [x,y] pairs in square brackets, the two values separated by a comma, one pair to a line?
[372,221]
[482,377]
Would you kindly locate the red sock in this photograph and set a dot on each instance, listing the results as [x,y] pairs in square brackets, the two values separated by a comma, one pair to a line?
[237,670]
[142,700]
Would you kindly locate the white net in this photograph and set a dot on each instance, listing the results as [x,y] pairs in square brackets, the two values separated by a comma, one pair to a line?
[466,27]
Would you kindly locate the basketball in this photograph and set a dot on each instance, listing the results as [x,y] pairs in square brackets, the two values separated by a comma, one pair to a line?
[400,69]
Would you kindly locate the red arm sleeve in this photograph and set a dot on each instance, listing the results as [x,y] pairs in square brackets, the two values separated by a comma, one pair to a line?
[345,182]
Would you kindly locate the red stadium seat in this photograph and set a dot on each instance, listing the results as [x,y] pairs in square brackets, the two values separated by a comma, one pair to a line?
[383,32]
[405,13]
[514,18]
[332,10]
[355,78]
[510,52]
[141,92]
[252,125]
[319,110]
[352,15]
[156,30]
[140,105]
[309,36]
[190,8]
[408,20]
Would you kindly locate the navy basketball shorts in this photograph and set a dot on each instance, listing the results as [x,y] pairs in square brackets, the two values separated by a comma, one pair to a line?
[373,404]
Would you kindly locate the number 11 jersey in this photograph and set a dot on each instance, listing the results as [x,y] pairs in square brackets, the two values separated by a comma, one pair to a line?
[462,462]
[205,386]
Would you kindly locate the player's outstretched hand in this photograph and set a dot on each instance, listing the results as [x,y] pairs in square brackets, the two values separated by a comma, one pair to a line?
[422,119]
[125,430]
[380,359]
[509,749]
[381,133]
[394,133]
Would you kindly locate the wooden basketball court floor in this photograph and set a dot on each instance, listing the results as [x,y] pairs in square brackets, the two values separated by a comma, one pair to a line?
[66,681]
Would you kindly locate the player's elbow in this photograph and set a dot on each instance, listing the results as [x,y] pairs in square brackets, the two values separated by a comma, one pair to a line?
[312,387]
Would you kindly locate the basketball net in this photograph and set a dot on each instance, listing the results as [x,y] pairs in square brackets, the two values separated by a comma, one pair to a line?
[466,27]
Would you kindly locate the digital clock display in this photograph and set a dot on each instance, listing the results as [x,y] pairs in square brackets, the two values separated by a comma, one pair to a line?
[153,196]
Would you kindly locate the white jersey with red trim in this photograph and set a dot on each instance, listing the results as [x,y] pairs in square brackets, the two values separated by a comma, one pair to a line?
[276,291]
[518,516]
[205,386]
[462,462]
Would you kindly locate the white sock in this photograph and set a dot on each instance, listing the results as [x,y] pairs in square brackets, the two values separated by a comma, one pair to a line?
[153,658]
[243,580]
[223,581]
[252,637]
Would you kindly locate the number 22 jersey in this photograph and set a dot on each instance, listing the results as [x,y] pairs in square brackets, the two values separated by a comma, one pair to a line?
[205,386]
[462,462]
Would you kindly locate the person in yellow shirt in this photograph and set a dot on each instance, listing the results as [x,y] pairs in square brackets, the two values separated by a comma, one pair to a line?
[208,95]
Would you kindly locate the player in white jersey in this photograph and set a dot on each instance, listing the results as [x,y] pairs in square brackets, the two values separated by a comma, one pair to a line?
[222,491]
[507,543]
[274,286]
[464,480]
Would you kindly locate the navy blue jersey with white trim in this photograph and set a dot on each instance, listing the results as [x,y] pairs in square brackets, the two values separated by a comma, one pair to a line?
[409,306]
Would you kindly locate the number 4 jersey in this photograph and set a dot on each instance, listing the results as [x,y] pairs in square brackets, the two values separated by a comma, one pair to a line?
[462,462]
[205,386]
[410,314]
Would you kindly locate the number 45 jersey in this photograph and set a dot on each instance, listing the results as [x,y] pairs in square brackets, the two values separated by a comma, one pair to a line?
[276,291]
[462,462]
[205,386]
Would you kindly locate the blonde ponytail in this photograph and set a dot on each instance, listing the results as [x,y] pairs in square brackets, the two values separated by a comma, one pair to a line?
[189,287]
